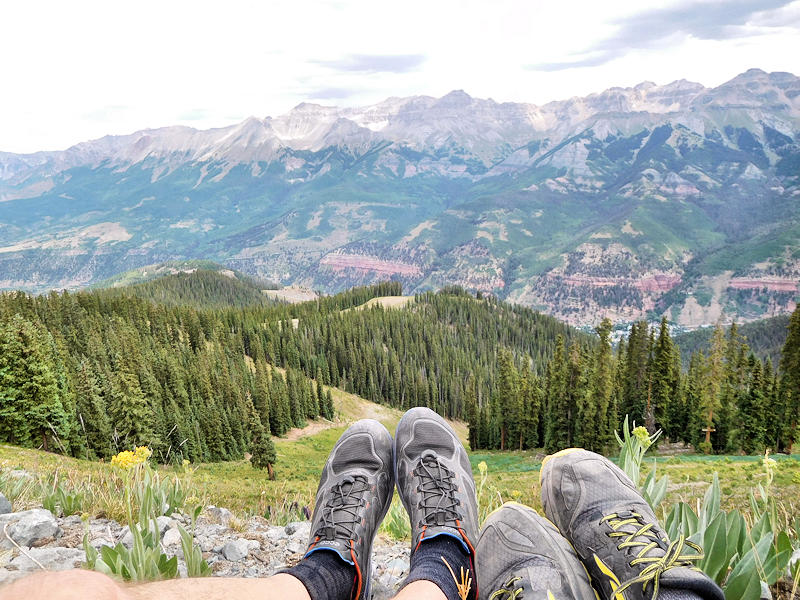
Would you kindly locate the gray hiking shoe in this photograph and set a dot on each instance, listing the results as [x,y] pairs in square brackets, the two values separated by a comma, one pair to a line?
[615,533]
[434,479]
[354,494]
[522,555]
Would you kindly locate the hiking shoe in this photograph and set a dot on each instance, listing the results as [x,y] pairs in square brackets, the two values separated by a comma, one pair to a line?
[522,555]
[434,479]
[615,533]
[354,494]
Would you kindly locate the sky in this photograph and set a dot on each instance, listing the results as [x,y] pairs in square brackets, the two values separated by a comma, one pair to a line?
[78,70]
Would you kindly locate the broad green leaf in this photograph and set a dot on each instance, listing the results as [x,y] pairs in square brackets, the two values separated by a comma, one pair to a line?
[715,544]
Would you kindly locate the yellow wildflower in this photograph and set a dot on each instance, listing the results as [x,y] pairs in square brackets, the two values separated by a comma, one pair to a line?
[127,459]
[640,433]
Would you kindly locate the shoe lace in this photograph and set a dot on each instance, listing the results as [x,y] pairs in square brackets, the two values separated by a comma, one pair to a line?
[509,591]
[436,485]
[340,514]
[637,533]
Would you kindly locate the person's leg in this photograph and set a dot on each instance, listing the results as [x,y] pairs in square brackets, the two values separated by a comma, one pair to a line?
[434,481]
[354,494]
[615,532]
[90,585]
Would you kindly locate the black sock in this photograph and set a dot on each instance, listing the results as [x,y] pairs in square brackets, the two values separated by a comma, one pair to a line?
[325,575]
[427,564]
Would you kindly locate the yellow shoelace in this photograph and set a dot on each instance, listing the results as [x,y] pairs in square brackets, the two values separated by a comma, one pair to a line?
[656,565]
[508,591]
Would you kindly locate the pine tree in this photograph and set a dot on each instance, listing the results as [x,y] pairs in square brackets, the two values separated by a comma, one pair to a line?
[31,411]
[131,417]
[92,414]
[508,398]
[751,409]
[664,379]
[594,416]
[790,380]
[262,449]
[558,413]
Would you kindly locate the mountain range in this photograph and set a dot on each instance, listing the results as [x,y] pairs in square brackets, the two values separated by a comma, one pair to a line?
[676,200]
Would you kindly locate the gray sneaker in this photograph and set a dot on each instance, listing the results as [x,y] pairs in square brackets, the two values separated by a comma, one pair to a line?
[615,533]
[354,494]
[522,555]
[434,479]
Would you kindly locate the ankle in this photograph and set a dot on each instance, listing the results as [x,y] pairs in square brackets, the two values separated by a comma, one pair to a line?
[325,575]
[443,561]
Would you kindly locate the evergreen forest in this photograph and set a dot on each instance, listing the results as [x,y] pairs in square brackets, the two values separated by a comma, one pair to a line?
[197,367]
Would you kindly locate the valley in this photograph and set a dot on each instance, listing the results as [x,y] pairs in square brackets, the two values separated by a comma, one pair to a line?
[673,200]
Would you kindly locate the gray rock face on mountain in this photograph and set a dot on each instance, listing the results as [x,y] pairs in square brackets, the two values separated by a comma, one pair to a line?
[669,199]
[5,505]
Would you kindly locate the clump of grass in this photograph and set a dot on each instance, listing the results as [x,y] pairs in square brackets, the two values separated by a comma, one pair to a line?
[396,524]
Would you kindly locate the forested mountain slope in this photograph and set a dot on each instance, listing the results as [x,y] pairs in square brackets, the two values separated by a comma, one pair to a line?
[94,372]
[765,338]
[658,199]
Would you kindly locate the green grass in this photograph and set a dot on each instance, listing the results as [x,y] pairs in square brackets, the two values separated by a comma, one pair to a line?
[510,476]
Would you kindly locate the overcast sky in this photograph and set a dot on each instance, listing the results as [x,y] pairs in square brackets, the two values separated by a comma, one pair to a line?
[76,70]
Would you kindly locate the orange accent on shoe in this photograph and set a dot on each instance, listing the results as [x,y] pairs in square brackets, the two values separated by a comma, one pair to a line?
[359,579]
[421,537]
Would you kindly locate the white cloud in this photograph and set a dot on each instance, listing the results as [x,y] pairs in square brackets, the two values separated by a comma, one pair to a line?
[79,70]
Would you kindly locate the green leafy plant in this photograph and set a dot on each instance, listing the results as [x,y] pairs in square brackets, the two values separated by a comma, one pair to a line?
[63,499]
[633,446]
[489,497]
[152,497]
[196,566]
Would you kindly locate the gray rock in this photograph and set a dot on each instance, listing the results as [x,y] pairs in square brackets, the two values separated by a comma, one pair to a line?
[20,473]
[766,594]
[220,515]
[97,543]
[164,523]
[396,567]
[5,505]
[299,528]
[205,543]
[253,545]
[172,537]
[52,559]
[127,537]
[277,533]
[28,526]
[235,550]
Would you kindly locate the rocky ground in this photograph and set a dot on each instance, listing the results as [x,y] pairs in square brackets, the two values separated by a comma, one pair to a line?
[233,549]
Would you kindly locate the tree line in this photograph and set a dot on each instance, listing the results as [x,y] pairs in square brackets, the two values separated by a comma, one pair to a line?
[726,401]
[91,373]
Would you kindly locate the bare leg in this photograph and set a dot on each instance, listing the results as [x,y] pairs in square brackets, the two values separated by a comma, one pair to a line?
[421,590]
[88,585]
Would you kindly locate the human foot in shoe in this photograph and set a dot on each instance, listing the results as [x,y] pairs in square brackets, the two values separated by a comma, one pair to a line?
[354,494]
[435,484]
[616,534]
[522,555]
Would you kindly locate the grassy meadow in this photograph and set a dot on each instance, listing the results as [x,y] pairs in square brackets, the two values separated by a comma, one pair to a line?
[247,491]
